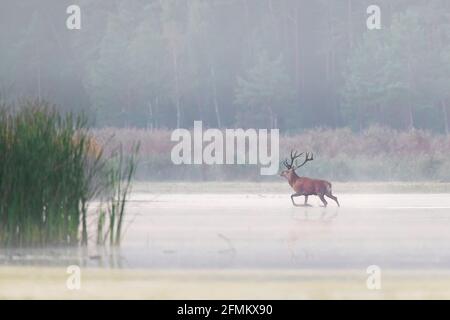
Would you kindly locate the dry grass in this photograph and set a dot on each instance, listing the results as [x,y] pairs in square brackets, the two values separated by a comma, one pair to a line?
[50,283]
[377,154]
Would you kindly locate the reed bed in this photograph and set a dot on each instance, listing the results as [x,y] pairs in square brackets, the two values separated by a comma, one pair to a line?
[50,169]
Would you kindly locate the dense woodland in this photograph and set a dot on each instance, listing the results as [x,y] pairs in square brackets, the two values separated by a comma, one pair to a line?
[290,64]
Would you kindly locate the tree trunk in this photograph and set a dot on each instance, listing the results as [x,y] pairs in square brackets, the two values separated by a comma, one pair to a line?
[350,23]
[250,44]
[411,125]
[216,103]
[39,81]
[297,50]
[360,119]
[272,14]
[39,71]
[128,108]
[177,89]
[155,118]
[445,116]
[150,116]
[273,119]
[84,235]
[411,89]
[286,29]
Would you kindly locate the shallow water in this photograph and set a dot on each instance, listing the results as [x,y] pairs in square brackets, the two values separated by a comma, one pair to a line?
[207,231]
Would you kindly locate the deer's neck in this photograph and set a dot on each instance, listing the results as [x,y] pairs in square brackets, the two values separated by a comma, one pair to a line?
[293,177]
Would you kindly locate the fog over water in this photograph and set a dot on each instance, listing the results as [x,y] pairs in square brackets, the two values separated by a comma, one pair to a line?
[209,231]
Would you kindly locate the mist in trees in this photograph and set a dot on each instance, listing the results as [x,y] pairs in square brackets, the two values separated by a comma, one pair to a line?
[288,64]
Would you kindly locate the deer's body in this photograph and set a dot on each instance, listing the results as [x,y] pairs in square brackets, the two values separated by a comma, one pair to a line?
[308,186]
[304,186]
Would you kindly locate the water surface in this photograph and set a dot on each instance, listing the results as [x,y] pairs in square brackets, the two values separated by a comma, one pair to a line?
[247,231]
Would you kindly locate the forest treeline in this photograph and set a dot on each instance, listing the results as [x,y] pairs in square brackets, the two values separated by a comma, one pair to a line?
[289,64]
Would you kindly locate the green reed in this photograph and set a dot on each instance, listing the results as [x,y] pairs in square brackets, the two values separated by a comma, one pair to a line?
[50,170]
[119,177]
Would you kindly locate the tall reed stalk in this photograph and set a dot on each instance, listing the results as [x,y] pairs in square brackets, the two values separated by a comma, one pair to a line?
[120,176]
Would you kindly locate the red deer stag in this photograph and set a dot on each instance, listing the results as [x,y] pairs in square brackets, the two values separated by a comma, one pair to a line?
[305,186]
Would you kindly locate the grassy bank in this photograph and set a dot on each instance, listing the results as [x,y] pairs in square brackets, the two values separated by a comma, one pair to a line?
[50,283]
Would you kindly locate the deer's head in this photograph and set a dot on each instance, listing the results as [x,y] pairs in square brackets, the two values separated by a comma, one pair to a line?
[291,166]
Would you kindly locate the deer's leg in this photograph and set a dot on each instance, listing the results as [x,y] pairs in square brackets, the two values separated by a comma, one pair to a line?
[306,202]
[333,198]
[322,198]
[299,195]
[292,198]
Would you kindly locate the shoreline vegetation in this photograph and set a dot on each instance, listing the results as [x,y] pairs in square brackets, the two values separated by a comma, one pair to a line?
[50,169]
[340,155]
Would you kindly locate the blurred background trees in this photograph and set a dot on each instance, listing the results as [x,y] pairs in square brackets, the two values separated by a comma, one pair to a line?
[292,64]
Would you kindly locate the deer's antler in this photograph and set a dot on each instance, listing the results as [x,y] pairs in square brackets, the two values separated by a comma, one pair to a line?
[309,157]
[294,156]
